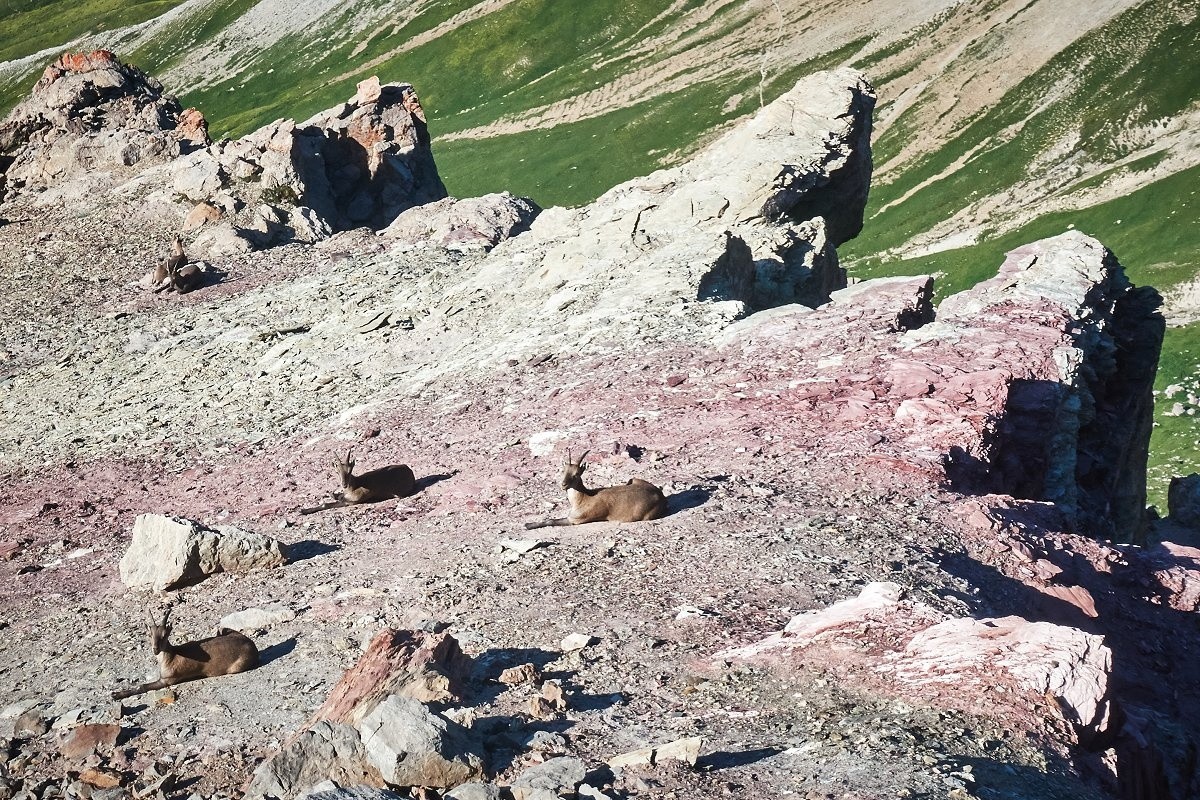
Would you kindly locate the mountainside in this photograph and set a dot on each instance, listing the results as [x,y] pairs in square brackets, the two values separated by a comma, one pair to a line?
[897,545]
[997,122]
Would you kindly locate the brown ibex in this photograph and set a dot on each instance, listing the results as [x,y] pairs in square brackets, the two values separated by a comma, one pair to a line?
[635,501]
[176,273]
[384,483]
[227,653]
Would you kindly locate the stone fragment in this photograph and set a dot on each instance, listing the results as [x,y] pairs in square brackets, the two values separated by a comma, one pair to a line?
[252,619]
[329,790]
[368,91]
[100,777]
[557,776]
[170,552]
[429,667]
[553,693]
[83,740]
[576,641]
[412,746]
[9,550]
[525,673]
[687,750]
[475,791]
[32,722]
[201,214]
[643,755]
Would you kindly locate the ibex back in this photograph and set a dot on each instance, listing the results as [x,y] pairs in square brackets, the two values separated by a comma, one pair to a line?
[635,501]
[384,483]
[227,653]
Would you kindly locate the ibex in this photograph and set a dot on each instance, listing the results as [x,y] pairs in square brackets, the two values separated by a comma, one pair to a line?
[176,273]
[384,483]
[227,653]
[635,501]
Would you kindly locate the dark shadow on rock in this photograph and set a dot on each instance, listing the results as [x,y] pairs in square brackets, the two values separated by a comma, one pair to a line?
[1155,650]
[723,759]
[581,701]
[489,665]
[309,548]
[276,651]
[692,497]
[429,480]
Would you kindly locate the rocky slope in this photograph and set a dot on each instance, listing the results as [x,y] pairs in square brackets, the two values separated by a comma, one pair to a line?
[998,123]
[885,572]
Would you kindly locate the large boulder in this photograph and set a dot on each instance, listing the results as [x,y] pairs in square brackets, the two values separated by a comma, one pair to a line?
[473,223]
[326,751]
[429,667]
[170,552]
[412,746]
[915,651]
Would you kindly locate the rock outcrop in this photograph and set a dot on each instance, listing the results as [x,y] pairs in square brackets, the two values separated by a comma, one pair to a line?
[750,222]
[91,113]
[473,223]
[1035,384]
[917,651]
[375,729]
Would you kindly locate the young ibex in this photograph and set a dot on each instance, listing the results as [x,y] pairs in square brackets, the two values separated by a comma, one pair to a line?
[635,501]
[226,653]
[384,483]
[176,273]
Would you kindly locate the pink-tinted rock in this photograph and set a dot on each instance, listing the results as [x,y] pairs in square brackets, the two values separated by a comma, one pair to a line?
[914,646]
[429,667]
[1041,657]
[83,740]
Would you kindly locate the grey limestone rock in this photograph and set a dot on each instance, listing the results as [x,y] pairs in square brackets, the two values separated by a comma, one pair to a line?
[170,552]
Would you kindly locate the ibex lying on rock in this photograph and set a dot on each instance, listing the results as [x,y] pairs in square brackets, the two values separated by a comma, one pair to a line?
[635,501]
[227,653]
[370,487]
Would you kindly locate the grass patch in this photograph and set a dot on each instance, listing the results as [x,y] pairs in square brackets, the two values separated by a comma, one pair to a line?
[29,26]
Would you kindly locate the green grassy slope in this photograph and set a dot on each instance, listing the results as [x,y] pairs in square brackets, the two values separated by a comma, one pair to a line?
[30,26]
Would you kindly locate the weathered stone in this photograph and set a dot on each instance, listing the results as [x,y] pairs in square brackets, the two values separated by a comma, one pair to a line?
[100,778]
[324,751]
[576,641]
[83,740]
[201,214]
[558,776]
[1183,500]
[1039,658]
[252,619]
[329,790]
[412,746]
[169,552]
[429,667]
[88,113]
[525,673]
[687,750]
[471,223]
[33,721]
[475,791]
